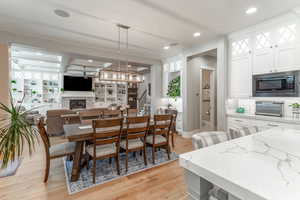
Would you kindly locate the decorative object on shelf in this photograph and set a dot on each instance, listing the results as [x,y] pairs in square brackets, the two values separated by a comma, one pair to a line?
[174,88]
[240,110]
[295,110]
[14,89]
[33,92]
[13,81]
[15,132]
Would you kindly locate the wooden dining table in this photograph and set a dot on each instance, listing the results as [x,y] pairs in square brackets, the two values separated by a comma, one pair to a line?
[80,133]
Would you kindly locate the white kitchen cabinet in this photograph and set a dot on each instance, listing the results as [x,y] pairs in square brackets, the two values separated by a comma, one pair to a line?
[240,69]
[287,47]
[263,52]
[277,49]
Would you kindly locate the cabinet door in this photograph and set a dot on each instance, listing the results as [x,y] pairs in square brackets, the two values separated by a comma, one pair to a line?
[240,69]
[287,48]
[263,53]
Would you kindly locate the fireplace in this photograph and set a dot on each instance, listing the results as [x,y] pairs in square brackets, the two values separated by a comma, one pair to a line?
[77,103]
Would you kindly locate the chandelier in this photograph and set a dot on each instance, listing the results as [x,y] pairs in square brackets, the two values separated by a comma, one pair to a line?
[121,75]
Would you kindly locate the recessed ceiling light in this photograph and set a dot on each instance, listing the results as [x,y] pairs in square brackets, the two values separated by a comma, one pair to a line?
[61,13]
[166,47]
[90,60]
[39,54]
[251,10]
[197,34]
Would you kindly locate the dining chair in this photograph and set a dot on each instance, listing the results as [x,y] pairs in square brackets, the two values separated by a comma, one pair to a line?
[173,127]
[131,112]
[55,151]
[160,136]
[106,141]
[135,139]
[87,116]
[111,114]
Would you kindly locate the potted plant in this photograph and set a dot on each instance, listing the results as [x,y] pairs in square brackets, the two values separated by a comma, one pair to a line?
[174,88]
[296,109]
[15,133]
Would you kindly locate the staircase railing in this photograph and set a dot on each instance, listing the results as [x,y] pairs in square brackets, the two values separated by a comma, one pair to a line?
[142,100]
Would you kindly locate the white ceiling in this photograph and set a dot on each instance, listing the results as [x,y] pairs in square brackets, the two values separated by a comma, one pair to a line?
[154,23]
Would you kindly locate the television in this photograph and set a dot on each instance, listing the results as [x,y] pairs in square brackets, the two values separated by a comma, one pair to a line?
[77,83]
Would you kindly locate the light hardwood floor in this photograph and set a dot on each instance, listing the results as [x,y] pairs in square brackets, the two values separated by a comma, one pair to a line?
[163,182]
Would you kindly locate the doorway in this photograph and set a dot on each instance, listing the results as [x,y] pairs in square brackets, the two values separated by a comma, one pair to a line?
[207,99]
[202,69]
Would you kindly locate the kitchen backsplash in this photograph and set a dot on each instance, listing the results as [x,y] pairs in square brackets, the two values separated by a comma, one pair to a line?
[249,105]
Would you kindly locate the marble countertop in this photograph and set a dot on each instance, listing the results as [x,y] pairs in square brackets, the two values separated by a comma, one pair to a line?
[264,166]
[266,118]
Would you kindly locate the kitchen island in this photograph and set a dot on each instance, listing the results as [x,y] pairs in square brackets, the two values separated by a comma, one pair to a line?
[264,166]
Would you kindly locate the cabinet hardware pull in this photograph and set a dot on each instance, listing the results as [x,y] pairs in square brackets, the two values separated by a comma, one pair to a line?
[271,47]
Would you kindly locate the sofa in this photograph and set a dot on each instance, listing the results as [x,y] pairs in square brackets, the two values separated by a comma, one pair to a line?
[205,139]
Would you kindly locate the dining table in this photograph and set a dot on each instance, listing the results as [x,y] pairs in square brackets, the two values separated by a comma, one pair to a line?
[80,133]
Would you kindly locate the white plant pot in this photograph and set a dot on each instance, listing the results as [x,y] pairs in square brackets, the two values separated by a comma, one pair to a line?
[11,168]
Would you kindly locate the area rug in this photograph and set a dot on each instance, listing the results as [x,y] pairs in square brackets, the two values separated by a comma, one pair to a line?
[106,172]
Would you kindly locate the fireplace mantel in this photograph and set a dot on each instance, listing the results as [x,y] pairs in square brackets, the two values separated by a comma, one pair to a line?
[66,97]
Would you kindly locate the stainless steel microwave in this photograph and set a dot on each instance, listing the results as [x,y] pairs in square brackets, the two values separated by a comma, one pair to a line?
[276,85]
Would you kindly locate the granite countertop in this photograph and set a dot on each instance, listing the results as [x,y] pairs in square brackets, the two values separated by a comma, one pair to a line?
[266,118]
[264,166]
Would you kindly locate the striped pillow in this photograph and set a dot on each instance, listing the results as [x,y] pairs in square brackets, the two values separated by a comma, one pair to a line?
[205,139]
[237,132]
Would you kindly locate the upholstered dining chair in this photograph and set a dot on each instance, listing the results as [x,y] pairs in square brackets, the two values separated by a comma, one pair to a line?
[173,127]
[111,114]
[160,136]
[106,141]
[87,116]
[136,132]
[55,151]
[132,112]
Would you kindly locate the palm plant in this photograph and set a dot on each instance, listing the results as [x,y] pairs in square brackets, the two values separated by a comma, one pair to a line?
[15,133]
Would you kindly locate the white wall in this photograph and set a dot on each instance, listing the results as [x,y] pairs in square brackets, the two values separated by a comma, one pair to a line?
[194,66]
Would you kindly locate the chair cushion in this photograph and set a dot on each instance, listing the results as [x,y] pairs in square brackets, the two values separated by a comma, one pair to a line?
[62,149]
[205,139]
[158,139]
[102,150]
[237,132]
[132,143]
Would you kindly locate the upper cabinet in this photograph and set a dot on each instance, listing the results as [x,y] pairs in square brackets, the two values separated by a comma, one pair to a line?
[269,47]
[240,68]
[276,49]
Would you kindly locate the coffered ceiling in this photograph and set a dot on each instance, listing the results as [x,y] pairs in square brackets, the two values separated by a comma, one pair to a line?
[154,23]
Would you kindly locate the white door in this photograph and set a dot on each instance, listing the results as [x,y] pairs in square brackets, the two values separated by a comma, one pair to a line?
[287,57]
[263,53]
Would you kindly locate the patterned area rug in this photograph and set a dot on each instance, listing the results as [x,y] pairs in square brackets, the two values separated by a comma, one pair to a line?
[107,172]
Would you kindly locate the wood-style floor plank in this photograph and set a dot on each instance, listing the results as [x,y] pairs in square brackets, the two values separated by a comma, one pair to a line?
[162,182]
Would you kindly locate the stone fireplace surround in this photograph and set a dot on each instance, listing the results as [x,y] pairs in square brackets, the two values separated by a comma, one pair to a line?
[66,97]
